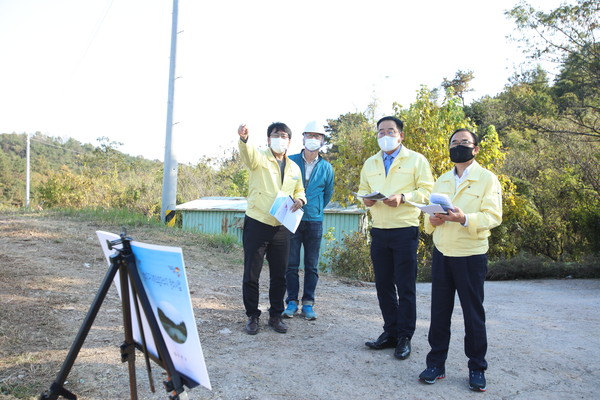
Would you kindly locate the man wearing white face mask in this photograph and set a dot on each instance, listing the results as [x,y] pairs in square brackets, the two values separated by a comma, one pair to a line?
[317,176]
[400,174]
[271,171]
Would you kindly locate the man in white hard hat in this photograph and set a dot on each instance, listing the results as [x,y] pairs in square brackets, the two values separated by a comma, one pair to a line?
[317,176]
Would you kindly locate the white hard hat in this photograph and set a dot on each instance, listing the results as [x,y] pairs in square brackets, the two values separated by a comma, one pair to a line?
[317,127]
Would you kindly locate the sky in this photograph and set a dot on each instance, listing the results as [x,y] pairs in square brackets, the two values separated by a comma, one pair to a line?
[100,68]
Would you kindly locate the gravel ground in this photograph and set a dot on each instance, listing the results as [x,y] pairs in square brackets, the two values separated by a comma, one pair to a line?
[544,340]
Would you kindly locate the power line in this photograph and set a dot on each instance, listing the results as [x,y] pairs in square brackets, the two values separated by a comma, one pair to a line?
[53,145]
[93,37]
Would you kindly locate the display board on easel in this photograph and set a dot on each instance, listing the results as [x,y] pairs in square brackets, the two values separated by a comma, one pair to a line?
[162,271]
[158,317]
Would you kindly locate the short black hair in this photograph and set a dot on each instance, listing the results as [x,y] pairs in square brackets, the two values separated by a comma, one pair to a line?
[399,123]
[278,126]
[474,135]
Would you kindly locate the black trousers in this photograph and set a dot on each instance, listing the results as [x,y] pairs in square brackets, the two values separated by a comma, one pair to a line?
[394,256]
[259,240]
[466,276]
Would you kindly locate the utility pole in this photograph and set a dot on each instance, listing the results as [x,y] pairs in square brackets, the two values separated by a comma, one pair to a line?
[27,167]
[169,194]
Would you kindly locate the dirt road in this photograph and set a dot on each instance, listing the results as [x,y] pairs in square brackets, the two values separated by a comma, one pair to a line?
[544,336]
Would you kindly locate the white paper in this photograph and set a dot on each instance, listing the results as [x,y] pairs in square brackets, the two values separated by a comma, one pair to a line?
[282,211]
[430,209]
[441,199]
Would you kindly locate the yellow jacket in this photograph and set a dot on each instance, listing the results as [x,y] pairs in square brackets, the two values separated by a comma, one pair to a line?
[480,198]
[265,181]
[409,174]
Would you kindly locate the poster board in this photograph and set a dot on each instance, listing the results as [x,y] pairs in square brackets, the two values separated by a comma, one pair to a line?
[162,271]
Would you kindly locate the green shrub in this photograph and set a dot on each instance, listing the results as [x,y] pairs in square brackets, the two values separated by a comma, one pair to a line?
[424,251]
[351,258]
[527,266]
[424,272]
[522,266]
[223,242]
[114,216]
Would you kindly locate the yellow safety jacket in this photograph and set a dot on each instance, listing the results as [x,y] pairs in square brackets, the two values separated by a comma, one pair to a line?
[409,174]
[480,198]
[265,181]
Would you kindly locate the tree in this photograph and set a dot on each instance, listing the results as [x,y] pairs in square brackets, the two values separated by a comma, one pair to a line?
[428,126]
[550,170]
[353,140]
[233,176]
[566,36]
[460,84]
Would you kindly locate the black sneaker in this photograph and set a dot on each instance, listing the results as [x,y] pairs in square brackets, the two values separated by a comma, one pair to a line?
[477,380]
[430,375]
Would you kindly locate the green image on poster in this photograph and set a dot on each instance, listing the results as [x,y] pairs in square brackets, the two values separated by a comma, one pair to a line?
[172,322]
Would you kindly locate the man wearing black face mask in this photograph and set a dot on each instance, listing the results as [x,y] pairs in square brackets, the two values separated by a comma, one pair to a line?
[460,257]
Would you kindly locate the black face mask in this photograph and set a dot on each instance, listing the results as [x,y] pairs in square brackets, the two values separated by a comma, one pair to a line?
[460,154]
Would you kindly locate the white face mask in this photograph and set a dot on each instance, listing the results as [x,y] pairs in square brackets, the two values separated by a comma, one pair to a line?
[279,145]
[388,143]
[312,144]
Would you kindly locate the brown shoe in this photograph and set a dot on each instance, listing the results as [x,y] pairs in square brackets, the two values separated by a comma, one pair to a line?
[277,324]
[252,326]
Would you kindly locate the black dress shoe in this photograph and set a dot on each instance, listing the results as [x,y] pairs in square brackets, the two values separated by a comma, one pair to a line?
[402,349]
[277,324]
[252,326]
[384,341]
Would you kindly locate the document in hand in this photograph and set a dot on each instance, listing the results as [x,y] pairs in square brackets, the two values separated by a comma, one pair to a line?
[441,199]
[429,208]
[372,196]
[439,203]
[282,211]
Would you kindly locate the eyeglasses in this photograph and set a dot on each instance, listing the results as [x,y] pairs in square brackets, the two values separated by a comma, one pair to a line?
[388,133]
[460,142]
[280,135]
[313,135]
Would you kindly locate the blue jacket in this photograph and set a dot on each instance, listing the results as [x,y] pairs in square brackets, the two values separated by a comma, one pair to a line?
[319,187]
